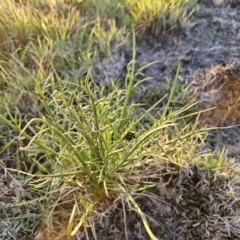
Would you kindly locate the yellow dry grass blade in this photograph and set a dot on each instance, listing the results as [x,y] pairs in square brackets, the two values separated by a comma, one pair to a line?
[142,215]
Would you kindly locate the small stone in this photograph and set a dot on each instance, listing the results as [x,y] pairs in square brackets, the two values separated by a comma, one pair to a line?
[219,3]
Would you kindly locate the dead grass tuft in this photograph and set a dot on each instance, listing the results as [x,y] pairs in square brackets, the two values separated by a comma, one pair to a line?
[218,87]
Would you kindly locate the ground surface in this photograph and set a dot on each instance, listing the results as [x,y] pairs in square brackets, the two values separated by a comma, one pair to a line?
[191,206]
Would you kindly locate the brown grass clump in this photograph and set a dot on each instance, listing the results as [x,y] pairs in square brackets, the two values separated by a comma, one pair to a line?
[218,88]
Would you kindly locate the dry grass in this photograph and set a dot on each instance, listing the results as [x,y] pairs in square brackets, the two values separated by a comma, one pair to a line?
[219,88]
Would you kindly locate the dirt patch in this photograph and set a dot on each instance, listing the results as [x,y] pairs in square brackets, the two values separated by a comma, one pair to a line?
[211,37]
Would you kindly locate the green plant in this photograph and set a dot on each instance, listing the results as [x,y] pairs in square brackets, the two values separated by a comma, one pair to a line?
[159,16]
[77,150]
[92,147]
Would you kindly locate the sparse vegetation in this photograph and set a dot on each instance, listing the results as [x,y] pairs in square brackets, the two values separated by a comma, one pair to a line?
[71,145]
